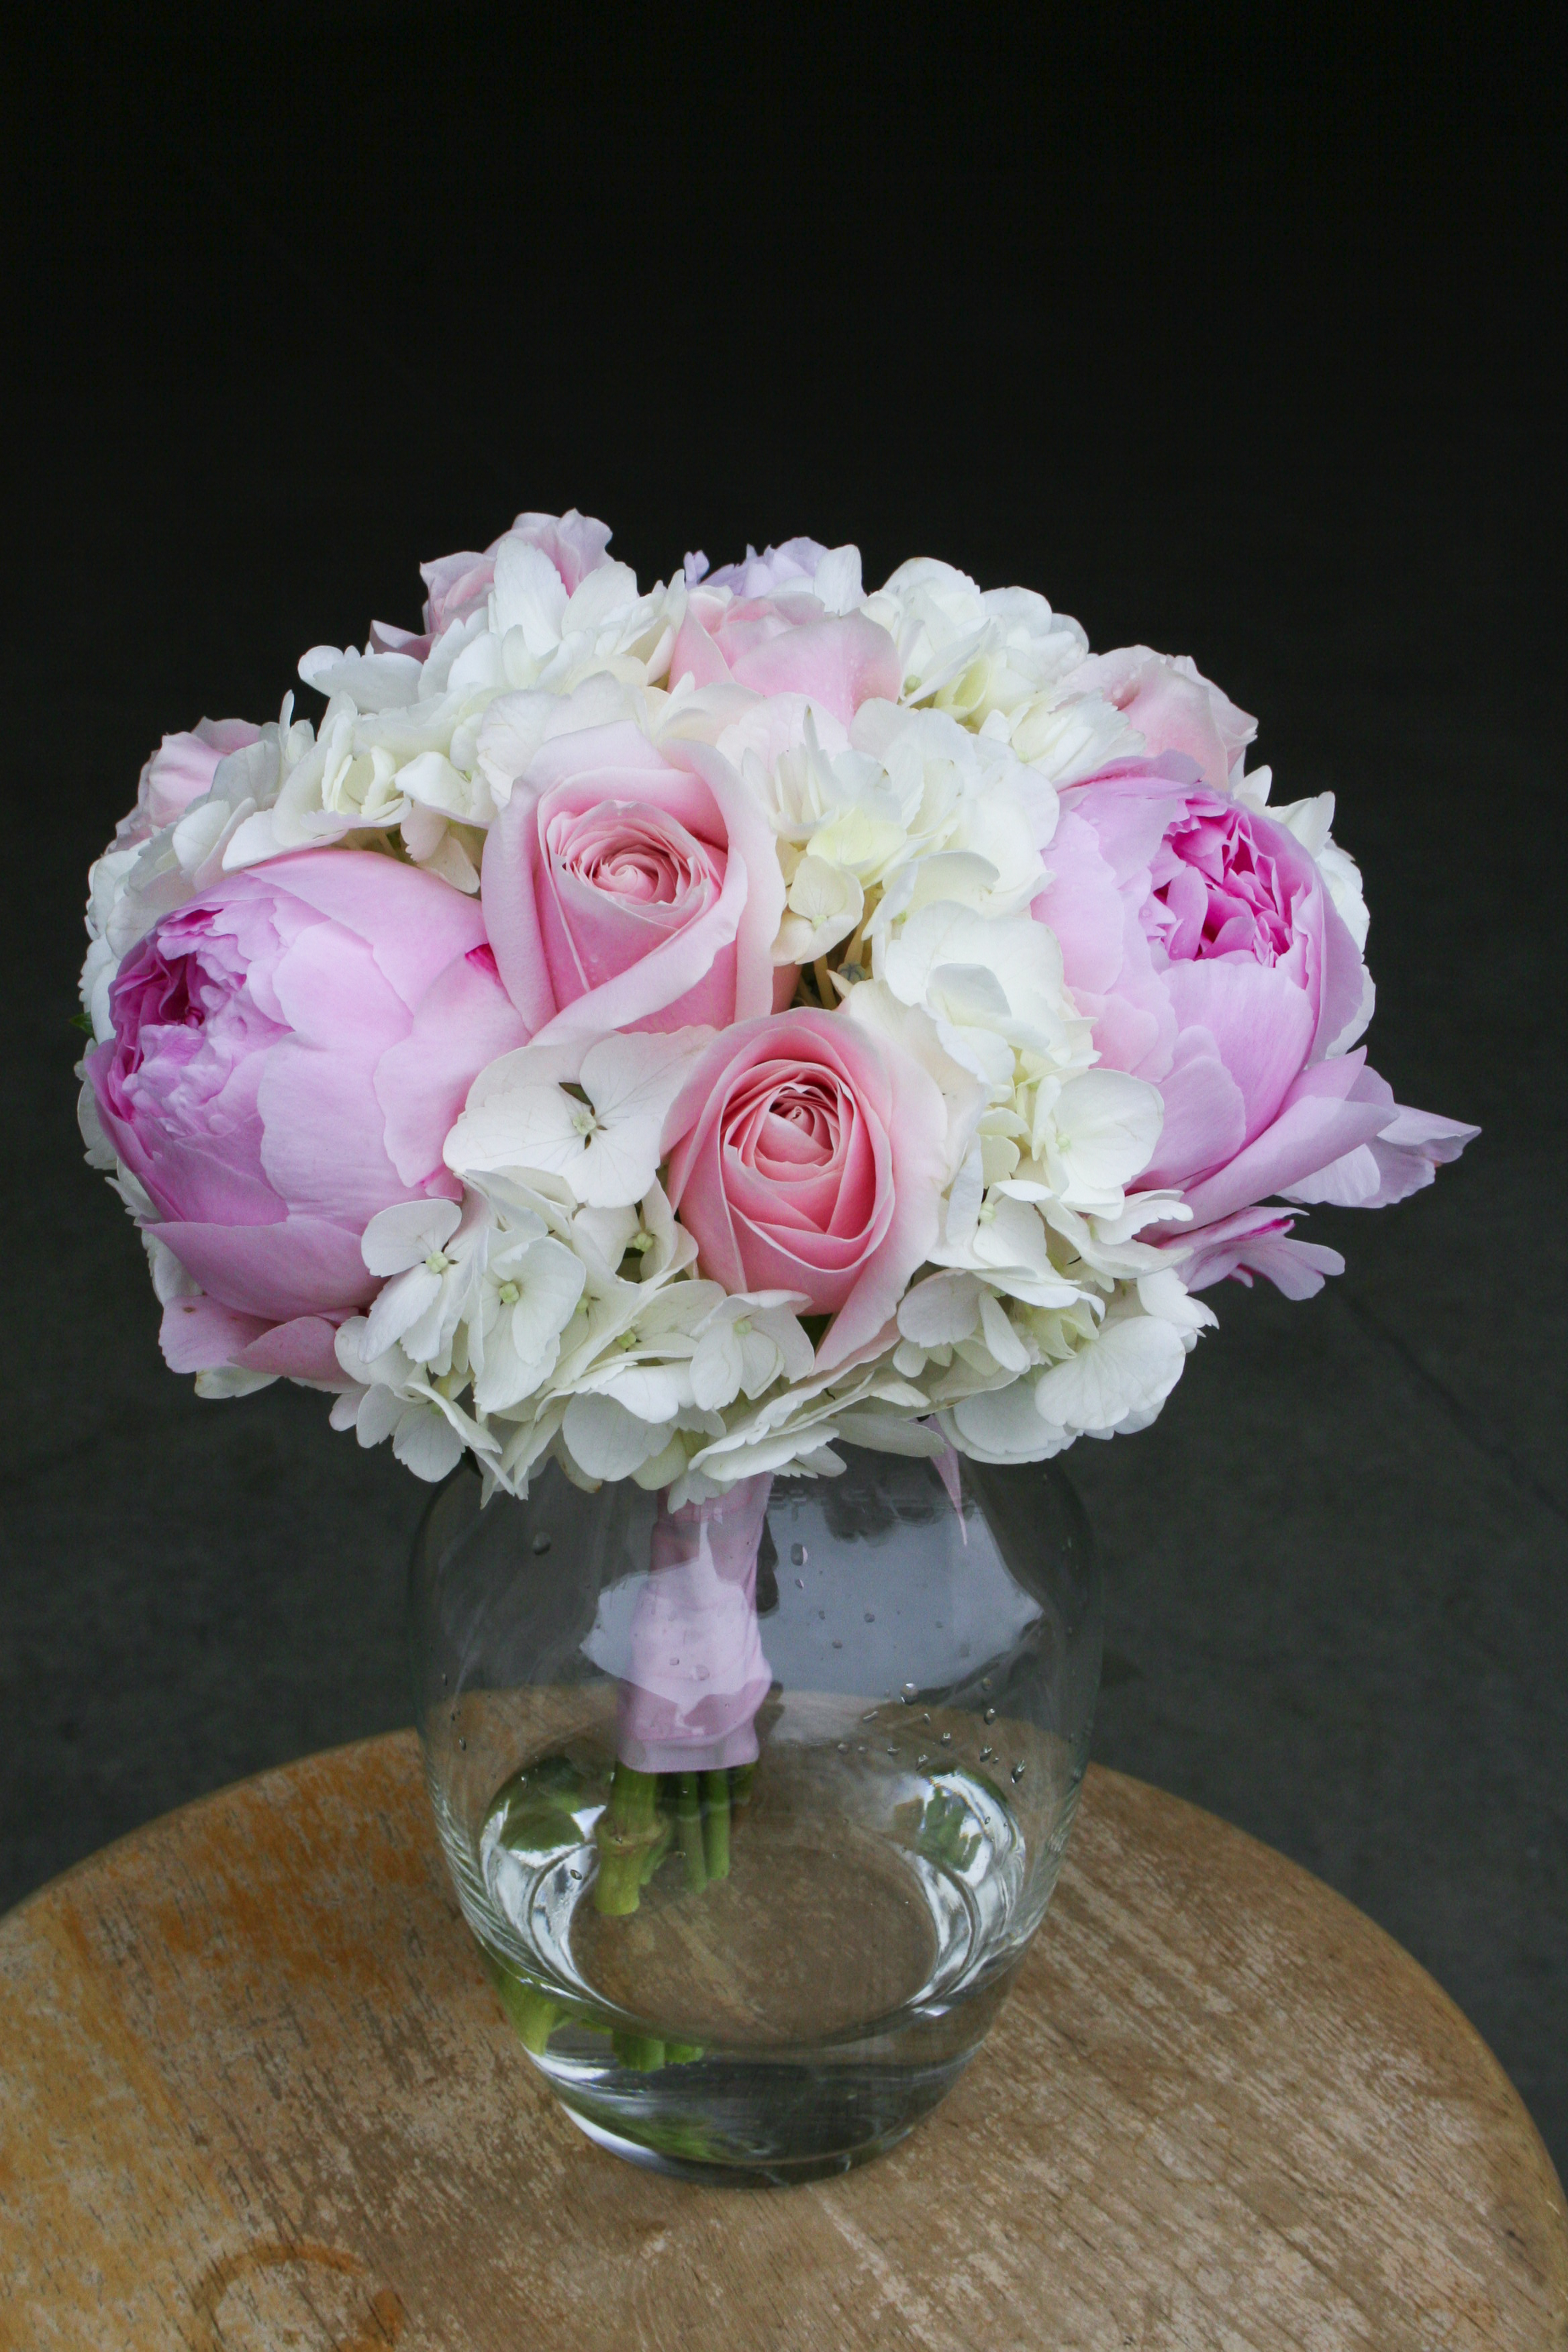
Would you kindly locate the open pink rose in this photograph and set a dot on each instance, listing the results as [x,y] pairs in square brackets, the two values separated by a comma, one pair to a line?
[1173,707]
[1201,940]
[805,1156]
[695,1671]
[289,1053]
[626,889]
[788,642]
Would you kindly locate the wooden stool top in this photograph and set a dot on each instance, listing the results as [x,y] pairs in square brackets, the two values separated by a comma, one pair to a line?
[255,2092]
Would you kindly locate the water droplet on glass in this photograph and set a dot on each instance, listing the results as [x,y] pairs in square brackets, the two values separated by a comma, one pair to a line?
[800,1584]
[907,1693]
[926,1717]
[844,1748]
[839,1645]
[575,1876]
[891,1749]
[861,1748]
[443,1682]
[985,1682]
[462,1743]
[921,1758]
[799,1554]
[987,1754]
[1017,1774]
[870,1715]
[453,1716]
[947,1740]
[540,1546]
[990,1715]
[822,1613]
[870,1616]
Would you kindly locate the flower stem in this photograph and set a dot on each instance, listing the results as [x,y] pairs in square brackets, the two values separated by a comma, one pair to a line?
[642,2051]
[716,1823]
[627,1833]
[688,1827]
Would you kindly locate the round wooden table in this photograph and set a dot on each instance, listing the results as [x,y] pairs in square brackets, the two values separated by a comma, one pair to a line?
[255,2092]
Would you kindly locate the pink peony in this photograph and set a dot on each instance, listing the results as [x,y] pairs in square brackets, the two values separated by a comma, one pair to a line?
[1173,707]
[289,1053]
[695,1674]
[1202,941]
[786,643]
[807,1156]
[629,888]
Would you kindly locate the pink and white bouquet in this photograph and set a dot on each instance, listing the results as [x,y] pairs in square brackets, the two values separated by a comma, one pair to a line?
[671,1031]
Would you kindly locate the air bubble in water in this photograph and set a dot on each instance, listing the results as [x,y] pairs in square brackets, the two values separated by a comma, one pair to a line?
[540,1545]
[799,1554]
[947,1740]
[1017,1774]
[990,1715]
[984,1681]
[987,1754]
[462,1743]
[800,1584]
[908,1692]
[870,1616]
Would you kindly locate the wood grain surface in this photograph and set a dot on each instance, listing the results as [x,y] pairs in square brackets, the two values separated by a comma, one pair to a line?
[255,2092]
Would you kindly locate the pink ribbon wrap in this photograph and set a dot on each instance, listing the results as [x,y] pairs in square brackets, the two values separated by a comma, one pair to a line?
[696,1673]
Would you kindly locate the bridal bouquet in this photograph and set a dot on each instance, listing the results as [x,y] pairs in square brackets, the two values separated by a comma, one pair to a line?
[671,1031]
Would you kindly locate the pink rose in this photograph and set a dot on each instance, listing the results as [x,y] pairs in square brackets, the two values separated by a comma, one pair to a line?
[1202,942]
[289,1051]
[695,1673]
[629,888]
[807,1156]
[181,771]
[1173,707]
[456,586]
[786,643]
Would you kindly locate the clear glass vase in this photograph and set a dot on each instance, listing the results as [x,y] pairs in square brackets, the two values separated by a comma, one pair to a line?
[753,1807]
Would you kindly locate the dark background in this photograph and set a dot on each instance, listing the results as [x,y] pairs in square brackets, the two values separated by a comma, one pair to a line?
[1237,339]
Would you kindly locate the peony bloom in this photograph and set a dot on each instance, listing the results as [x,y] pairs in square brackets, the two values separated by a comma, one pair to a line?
[289,1051]
[629,888]
[787,642]
[1203,941]
[806,1155]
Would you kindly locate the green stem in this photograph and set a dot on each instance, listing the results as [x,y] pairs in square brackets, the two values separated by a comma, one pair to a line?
[627,1832]
[688,1827]
[532,2014]
[642,2051]
[716,1823]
